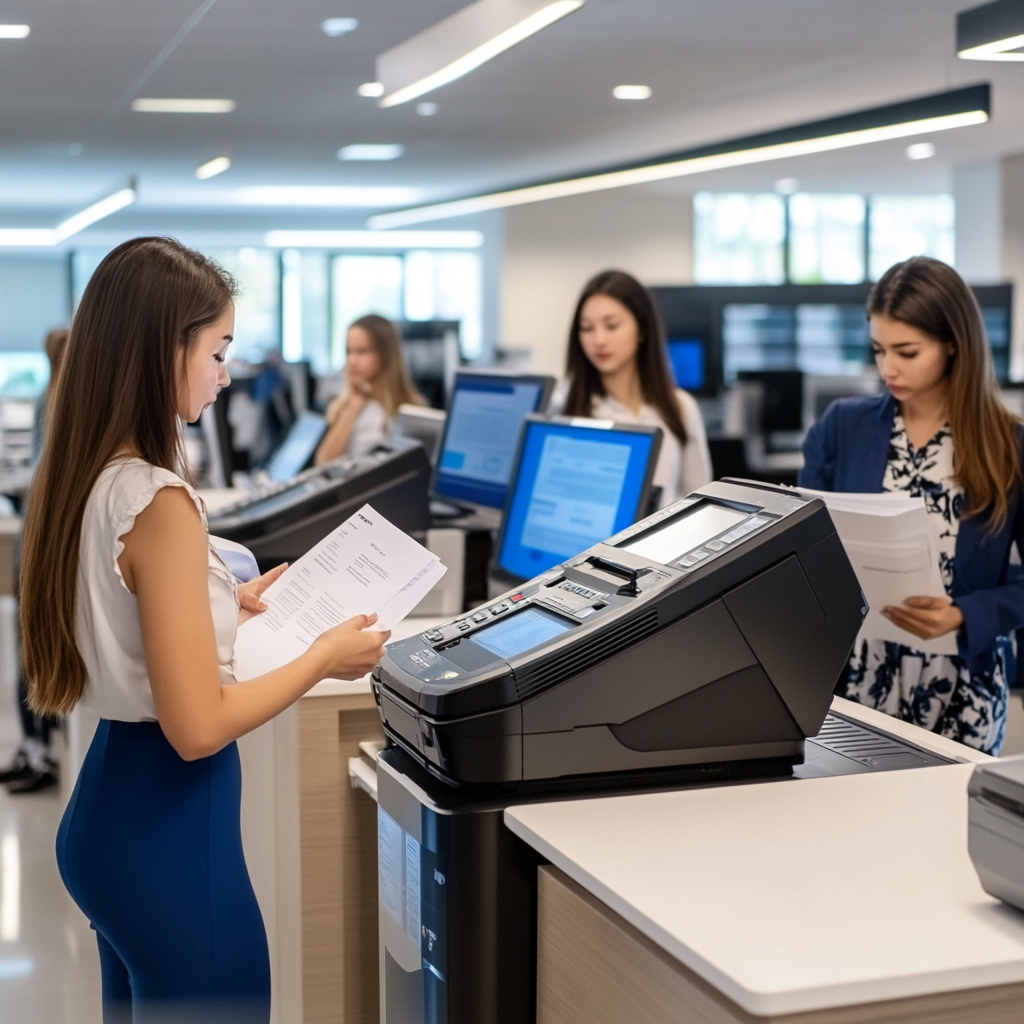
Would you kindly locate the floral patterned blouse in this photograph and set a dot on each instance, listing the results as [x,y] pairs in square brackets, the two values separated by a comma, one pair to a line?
[935,691]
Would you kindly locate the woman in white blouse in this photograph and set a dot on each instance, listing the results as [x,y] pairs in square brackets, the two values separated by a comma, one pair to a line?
[376,383]
[128,610]
[617,369]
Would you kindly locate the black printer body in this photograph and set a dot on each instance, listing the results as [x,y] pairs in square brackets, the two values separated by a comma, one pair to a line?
[712,631]
[283,524]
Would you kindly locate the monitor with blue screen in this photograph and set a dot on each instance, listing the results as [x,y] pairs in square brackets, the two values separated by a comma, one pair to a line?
[297,448]
[576,483]
[478,447]
[687,357]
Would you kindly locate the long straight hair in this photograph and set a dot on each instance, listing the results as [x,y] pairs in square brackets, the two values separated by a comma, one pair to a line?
[392,386]
[931,296]
[651,354]
[116,393]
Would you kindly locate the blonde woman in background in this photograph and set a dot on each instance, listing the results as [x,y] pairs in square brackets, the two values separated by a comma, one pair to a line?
[376,383]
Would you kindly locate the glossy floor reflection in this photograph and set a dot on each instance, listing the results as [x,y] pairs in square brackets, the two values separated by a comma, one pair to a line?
[49,970]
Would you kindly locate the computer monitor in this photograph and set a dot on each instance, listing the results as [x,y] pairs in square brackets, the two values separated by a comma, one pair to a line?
[297,448]
[575,484]
[422,424]
[688,359]
[478,447]
[783,408]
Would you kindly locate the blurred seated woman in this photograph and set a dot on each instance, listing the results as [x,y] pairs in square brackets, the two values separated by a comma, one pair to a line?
[617,369]
[375,383]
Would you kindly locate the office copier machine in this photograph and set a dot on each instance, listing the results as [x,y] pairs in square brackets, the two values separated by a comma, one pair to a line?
[713,631]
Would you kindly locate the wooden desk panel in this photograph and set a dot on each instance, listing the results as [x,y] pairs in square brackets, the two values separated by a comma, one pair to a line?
[593,967]
[338,829]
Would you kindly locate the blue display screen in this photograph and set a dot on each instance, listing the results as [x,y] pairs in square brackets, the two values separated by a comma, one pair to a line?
[574,486]
[687,355]
[297,447]
[519,633]
[481,435]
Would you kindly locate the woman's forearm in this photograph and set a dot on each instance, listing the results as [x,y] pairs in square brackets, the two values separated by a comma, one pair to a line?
[245,706]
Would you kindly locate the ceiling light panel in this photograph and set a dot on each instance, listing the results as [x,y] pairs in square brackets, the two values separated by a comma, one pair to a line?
[956,109]
[372,89]
[992,32]
[374,239]
[921,150]
[371,151]
[75,223]
[154,105]
[14,31]
[459,44]
[632,92]
[335,27]
[218,165]
[327,196]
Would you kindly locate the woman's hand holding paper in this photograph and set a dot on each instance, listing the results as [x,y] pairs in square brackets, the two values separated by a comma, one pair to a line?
[351,649]
[926,617]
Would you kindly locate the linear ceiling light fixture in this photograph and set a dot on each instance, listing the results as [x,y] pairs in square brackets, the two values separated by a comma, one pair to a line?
[210,169]
[374,239]
[14,31]
[939,112]
[75,223]
[155,105]
[992,32]
[459,44]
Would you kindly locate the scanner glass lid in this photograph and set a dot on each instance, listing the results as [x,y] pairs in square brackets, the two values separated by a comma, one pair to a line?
[666,543]
[520,632]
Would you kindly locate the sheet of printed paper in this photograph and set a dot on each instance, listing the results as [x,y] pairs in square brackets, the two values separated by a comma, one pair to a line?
[366,565]
[891,547]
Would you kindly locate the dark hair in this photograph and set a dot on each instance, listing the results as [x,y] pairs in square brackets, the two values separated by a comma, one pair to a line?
[651,356]
[116,392]
[932,297]
[392,386]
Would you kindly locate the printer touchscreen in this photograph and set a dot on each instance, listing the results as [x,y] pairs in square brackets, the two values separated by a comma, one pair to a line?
[529,628]
[667,543]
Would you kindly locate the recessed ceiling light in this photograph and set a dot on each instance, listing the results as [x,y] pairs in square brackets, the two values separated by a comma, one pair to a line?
[13,31]
[426,109]
[218,165]
[786,186]
[371,89]
[921,151]
[339,26]
[632,92]
[371,151]
[374,239]
[151,105]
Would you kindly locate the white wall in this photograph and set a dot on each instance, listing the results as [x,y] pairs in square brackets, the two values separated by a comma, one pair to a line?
[553,248]
[33,299]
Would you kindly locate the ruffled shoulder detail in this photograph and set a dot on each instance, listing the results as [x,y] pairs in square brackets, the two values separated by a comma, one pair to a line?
[131,484]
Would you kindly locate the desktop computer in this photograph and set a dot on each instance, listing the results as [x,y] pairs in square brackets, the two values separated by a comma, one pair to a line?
[575,480]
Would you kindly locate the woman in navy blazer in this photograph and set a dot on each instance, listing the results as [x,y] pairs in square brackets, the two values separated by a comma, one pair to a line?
[939,431]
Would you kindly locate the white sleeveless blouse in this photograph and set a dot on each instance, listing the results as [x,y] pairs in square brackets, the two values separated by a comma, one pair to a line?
[107,628]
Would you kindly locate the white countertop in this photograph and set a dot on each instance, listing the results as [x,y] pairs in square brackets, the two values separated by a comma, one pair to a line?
[344,687]
[798,895]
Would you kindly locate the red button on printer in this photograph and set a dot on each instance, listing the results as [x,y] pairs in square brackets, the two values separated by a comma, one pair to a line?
[516,598]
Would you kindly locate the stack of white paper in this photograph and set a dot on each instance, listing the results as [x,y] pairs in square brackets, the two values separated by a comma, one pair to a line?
[892,549]
[366,565]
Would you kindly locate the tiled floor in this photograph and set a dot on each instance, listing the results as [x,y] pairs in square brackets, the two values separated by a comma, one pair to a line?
[49,970]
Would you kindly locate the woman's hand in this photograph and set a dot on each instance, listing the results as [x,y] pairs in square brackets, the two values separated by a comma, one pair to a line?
[926,617]
[350,650]
[250,600]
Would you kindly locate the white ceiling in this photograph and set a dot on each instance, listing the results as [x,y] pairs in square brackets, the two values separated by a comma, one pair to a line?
[718,68]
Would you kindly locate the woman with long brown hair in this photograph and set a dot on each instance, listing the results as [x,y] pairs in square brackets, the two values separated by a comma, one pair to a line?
[939,432]
[127,610]
[375,383]
[617,369]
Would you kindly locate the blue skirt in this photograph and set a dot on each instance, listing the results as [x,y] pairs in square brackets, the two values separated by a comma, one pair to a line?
[150,848]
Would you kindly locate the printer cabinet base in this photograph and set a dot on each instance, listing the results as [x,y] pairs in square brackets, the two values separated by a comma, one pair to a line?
[593,967]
